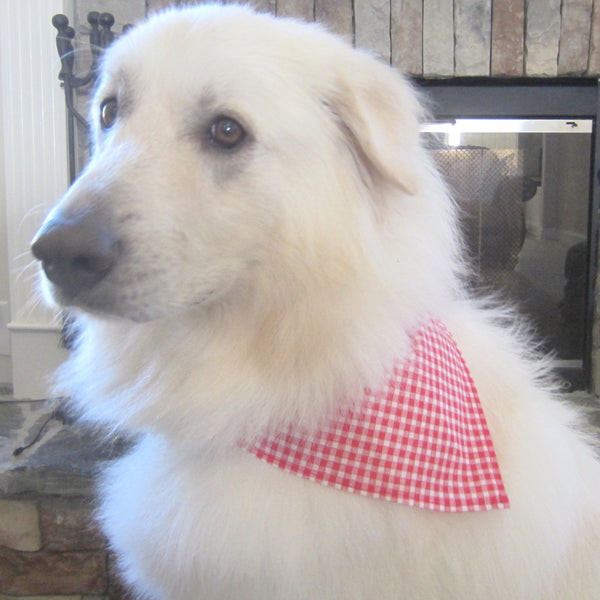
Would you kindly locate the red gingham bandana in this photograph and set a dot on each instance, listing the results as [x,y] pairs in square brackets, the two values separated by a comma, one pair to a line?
[422,441]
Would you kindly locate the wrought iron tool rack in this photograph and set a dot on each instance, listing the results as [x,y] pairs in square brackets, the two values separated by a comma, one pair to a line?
[101,36]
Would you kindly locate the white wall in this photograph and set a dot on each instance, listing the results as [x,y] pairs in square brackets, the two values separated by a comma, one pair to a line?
[35,175]
[5,361]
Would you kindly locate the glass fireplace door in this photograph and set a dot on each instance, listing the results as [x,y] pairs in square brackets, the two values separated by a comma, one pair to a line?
[522,187]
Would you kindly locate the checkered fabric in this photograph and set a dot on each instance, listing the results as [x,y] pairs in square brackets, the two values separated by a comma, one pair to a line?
[421,441]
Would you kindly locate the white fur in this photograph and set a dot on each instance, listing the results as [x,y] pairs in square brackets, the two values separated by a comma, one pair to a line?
[270,285]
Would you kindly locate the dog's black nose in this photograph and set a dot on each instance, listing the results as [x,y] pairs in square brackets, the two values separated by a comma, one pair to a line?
[76,253]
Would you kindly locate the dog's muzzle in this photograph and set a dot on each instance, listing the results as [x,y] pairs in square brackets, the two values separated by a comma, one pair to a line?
[76,253]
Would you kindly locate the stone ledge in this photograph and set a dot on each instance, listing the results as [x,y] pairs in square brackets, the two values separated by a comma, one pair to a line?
[65,459]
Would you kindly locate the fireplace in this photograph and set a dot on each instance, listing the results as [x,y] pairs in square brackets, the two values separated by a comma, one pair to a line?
[520,169]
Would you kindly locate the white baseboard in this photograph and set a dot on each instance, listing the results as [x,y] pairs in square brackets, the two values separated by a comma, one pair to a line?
[36,353]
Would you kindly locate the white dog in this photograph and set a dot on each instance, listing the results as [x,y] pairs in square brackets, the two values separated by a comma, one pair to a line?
[267,274]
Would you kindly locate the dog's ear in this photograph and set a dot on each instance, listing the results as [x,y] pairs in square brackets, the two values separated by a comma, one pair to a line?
[380,115]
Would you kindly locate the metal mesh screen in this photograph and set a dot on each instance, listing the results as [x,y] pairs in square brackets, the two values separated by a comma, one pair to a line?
[487,185]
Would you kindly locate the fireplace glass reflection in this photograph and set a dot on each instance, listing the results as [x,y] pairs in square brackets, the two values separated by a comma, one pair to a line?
[523,192]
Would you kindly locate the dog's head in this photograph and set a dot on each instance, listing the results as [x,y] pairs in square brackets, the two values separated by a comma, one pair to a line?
[231,152]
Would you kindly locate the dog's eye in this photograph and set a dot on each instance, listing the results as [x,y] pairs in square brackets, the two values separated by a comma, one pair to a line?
[226,133]
[108,113]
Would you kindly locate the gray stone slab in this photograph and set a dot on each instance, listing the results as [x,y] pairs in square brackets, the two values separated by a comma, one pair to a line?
[20,526]
[12,418]
[336,16]
[594,58]
[542,27]
[20,422]
[574,42]
[438,38]
[407,35]
[301,9]
[472,31]
[63,459]
[372,27]
[155,5]
[264,6]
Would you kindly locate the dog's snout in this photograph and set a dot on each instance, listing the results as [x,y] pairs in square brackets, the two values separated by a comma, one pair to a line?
[76,254]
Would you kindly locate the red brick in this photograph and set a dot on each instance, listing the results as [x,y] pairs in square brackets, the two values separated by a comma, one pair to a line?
[52,573]
[68,524]
[508,32]
[117,589]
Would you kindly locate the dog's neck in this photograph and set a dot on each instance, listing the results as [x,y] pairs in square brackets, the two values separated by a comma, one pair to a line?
[245,374]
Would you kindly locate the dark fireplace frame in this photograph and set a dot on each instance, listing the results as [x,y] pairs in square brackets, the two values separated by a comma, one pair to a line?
[577,98]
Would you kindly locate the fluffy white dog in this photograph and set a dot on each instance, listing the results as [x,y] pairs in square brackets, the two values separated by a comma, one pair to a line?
[267,276]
